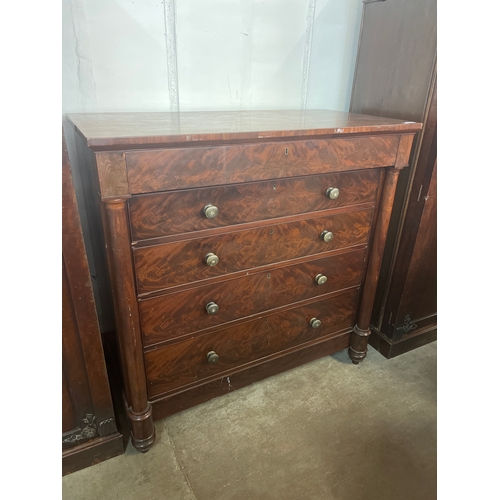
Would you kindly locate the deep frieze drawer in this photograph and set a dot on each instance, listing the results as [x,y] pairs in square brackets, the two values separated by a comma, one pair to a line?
[182,313]
[172,264]
[178,168]
[193,360]
[165,214]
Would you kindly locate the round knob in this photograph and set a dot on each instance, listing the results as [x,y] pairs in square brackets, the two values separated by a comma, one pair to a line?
[315,323]
[212,308]
[211,259]
[211,211]
[212,357]
[333,193]
[321,279]
[327,236]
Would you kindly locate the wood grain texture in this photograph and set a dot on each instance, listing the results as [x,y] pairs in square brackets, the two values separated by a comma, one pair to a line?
[164,214]
[80,402]
[179,314]
[178,168]
[413,282]
[87,408]
[69,420]
[133,130]
[407,178]
[243,377]
[185,363]
[406,301]
[268,173]
[377,249]
[397,47]
[404,150]
[361,331]
[112,173]
[395,76]
[390,348]
[92,453]
[128,326]
[120,264]
[165,266]
[86,169]
[419,297]
[80,303]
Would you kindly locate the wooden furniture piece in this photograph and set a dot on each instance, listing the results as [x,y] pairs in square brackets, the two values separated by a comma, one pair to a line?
[89,433]
[396,77]
[240,244]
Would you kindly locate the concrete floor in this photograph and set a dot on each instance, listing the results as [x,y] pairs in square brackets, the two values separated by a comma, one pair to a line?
[328,430]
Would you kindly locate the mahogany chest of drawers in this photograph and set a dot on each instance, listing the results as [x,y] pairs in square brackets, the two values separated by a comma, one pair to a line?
[239,244]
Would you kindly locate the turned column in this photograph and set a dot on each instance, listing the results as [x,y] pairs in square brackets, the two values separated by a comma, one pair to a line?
[119,255]
[359,337]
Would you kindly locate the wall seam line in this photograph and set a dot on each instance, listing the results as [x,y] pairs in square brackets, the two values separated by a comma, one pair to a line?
[311,7]
[171,49]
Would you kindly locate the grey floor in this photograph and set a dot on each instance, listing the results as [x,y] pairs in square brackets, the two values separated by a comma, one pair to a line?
[328,430]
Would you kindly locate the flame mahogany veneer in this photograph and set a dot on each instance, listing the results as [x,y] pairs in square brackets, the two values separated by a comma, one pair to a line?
[297,267]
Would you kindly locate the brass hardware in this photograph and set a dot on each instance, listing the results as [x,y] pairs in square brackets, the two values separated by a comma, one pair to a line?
[315,323]
[271,231]
[211,211]
[321,279]
[327,236]
[211,259]
[268,275]
[212,308]
[274,187]
[286,151]
[333,193]
[212,357]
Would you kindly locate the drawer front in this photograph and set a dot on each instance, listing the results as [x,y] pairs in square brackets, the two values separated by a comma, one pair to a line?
[169,169]
[178,314]
[164,266]
[165,214]
[186,362]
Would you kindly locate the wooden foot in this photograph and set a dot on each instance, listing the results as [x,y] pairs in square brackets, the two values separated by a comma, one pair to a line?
[143,433]
[139,410]
[359,344]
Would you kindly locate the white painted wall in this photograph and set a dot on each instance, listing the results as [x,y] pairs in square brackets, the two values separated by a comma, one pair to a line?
[152,55]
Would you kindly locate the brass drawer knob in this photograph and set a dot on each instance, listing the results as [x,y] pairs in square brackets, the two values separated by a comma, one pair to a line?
[321,279]
[212,308]
[212,357]
[211,211]
[327,236]
[315,323]
[211,259]
[333,193]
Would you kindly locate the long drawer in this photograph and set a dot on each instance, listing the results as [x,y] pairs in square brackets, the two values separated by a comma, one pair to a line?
[172,264]
[179,168]
[179,314]
[187,362]
[165,214]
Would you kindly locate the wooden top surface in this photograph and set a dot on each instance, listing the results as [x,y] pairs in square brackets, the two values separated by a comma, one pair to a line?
[134,129]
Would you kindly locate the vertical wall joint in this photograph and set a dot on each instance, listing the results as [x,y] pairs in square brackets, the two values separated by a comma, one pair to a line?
[171,49]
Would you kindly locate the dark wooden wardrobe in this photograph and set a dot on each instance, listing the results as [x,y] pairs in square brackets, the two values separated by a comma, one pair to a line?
[395,76]
[89,433]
